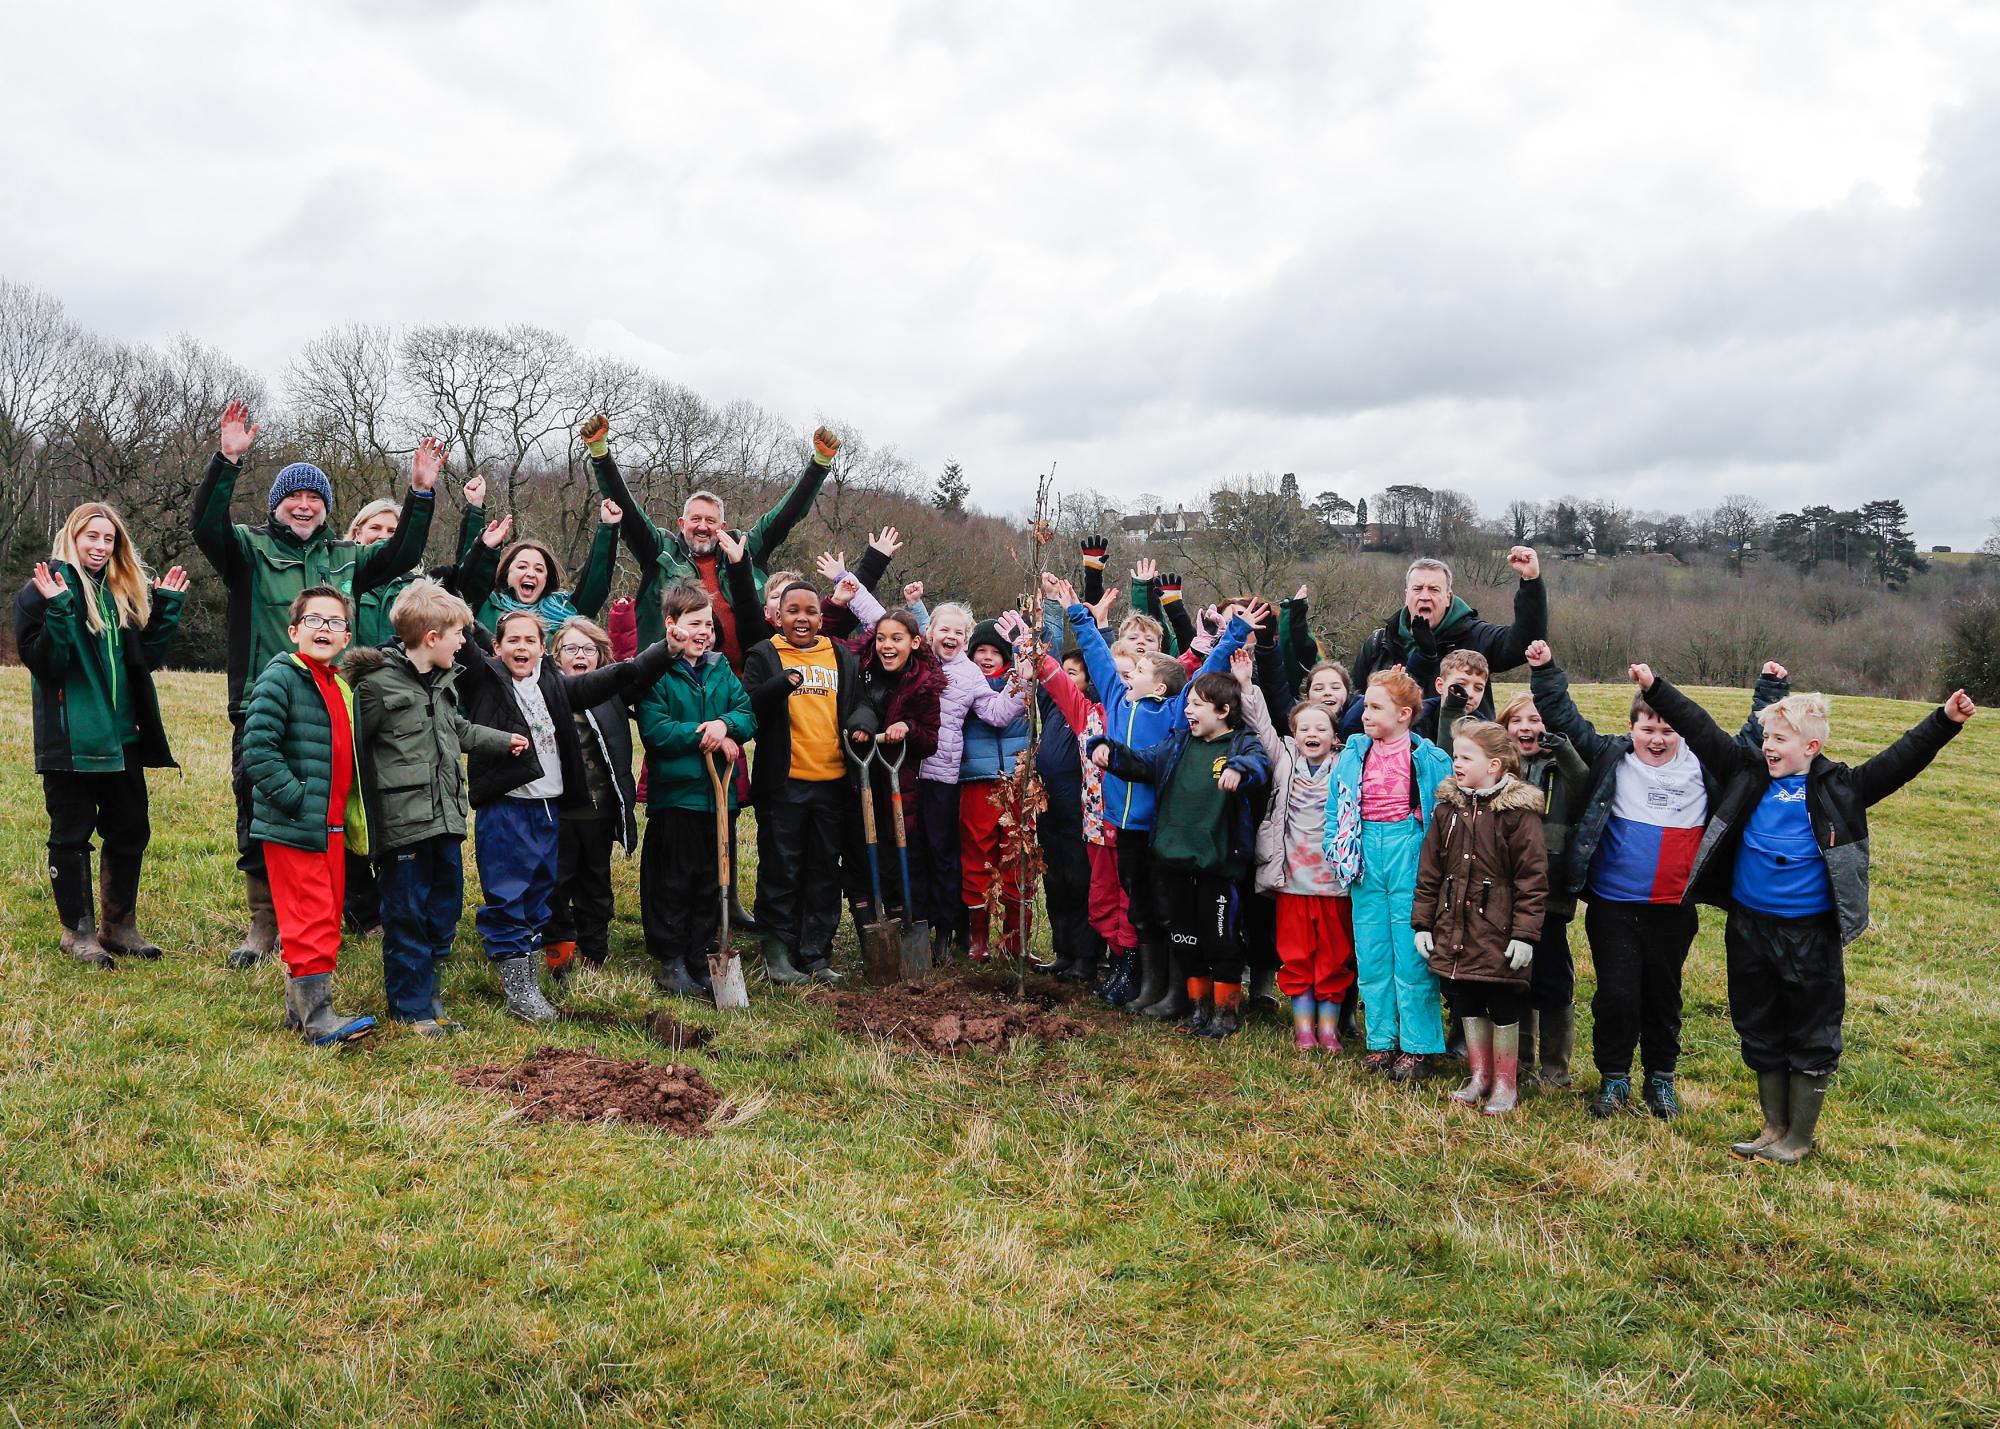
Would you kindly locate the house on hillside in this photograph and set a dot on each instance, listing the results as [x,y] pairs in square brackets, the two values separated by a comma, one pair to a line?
[1164,525]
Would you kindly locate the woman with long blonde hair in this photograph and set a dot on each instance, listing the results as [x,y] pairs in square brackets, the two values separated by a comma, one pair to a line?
[92,627]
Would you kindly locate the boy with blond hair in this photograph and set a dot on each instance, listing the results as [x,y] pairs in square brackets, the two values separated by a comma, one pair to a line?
[1789,833]
[411,736]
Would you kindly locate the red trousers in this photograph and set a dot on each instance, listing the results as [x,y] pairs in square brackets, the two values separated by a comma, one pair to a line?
[307,890]
[1107,897]
[980,857]
[1316,946]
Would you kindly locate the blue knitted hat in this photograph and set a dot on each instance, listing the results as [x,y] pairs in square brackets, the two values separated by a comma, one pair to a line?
[301,476]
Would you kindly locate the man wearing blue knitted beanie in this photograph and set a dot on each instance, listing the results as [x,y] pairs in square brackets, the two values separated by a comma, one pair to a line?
[264,567]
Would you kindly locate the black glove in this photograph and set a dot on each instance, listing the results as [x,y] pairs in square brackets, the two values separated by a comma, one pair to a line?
[1422,636]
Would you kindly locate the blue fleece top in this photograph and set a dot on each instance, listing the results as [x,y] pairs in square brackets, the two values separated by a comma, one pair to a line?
[1139,724]
[1780,869]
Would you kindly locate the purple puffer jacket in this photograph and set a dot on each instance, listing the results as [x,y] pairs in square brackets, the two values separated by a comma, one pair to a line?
[965,692]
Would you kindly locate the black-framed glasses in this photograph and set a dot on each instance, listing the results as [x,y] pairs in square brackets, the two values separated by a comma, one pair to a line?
[576,649]
[313,620]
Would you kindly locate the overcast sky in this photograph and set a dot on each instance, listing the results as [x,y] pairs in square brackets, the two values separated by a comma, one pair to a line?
[1658,253]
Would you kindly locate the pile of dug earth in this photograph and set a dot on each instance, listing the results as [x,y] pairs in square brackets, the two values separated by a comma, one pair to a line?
[575,1084]
[946,1019]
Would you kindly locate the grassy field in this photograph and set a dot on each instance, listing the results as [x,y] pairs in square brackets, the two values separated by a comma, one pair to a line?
[204,1222]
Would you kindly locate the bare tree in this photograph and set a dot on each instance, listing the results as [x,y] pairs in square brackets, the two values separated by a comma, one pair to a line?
[41,354]
[348,407]
[1524,521]
[1736,523]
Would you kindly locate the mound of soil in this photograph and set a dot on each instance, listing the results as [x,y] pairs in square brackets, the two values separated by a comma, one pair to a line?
[575,1084]
[947,1018]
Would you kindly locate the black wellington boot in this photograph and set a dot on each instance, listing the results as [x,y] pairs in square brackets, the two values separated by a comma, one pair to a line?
[1174,1000]
[1150,980]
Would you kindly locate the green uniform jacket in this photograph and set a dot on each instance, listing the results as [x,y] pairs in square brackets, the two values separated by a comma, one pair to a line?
[593,588]
[412,782]
[665,558]
[670,716]
[474,567]
[76,723]
[265,567]
[288,754]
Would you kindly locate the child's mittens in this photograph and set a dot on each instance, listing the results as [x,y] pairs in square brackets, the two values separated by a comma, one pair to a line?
[1519,954]
[596,433]
[1170,586]
[1095,549]
[826,445]
[1424,941]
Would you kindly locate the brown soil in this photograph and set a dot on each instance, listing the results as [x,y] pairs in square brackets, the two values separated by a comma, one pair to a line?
[947,1018]
[575,1084]
[663,1027]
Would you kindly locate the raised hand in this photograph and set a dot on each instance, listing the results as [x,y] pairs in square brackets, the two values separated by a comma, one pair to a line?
[475,491]
[1062,592]
[677,641]
[844,590]
[1210,618]
[888,540]
[826,446]
[1960,708]
[1527,565]
[238,431]
[830,564]
[1642,676]
[1258,613]
[1011,626]
[1243,665]
[1539,654]
[1304,592]
[49,584]
[913,593]
[1145,569]
[175,581]
[1776,671]
[426,462]
[609,512]
[1170,582]
[1101,612]
[1095,548]
[596,427]
[733,545]
[496,533]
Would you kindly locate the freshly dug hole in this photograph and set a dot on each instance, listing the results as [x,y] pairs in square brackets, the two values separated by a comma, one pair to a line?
[575,1084]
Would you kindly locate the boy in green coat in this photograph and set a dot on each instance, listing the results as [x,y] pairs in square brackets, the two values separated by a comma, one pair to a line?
[695,714]
[264,569]
[414,791]
[300,750]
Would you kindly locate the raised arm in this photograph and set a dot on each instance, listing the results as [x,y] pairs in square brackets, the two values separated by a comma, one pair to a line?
[45,625]
[403,550]
[641,535]
[214,533]
[774,525]
[1174,610]
[594,587]
[621,677]
[1550,687]
[1257,715]
[1881,776]
[1095,549]
[165,622]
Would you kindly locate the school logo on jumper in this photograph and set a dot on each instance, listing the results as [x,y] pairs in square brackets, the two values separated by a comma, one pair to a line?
[819,680]
[1221,763]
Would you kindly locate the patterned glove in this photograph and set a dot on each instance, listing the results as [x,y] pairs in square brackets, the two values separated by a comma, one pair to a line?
[1095,549]
[1170,586]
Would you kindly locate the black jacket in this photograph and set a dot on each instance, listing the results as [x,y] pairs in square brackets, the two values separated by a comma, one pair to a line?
[612,719]
[1838,797]
[1605,753]
[770,693]
[487,690]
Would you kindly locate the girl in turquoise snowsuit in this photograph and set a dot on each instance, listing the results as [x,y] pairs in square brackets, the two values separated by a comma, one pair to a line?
[1385,784]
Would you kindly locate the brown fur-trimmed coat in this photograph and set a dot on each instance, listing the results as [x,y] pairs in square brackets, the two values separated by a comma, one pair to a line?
[1483,880]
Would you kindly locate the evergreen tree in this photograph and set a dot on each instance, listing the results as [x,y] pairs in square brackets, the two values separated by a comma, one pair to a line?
[1893,553]
[952,489]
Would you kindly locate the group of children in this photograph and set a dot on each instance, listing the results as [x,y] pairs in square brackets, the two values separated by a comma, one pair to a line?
[1406,848]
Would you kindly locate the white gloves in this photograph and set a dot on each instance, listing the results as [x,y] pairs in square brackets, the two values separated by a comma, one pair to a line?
[1519,954]
[1424,942]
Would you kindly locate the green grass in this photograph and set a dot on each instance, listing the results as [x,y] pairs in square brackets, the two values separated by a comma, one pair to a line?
[204,1222]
